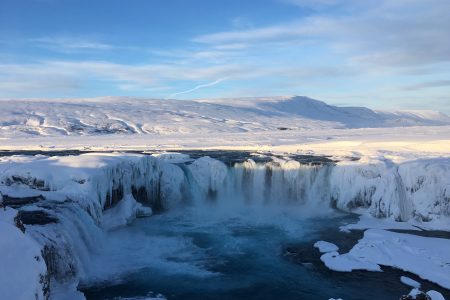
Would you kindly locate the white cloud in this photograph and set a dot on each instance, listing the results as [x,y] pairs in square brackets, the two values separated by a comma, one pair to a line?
[378,33]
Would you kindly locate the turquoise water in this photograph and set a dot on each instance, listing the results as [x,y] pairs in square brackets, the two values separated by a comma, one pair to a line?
[244,254]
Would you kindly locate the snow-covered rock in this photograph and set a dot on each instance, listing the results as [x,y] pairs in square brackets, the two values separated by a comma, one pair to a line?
[325,247]
[23,272]
[434,295]
[426,257]
[410,282]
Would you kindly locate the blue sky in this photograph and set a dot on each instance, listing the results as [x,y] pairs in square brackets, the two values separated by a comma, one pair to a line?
[375,53]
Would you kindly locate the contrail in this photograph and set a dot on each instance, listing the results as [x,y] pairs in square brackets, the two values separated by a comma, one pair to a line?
[198,87]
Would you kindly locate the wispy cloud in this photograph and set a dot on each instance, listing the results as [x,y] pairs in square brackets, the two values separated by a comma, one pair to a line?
[426,85]
[64,76]
[72,44]
[310,27]
[198,87]
[314,3]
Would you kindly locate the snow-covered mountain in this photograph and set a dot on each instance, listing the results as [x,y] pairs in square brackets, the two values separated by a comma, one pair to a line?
[112,115]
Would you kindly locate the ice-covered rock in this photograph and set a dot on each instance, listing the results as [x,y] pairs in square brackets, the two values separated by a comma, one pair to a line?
[172,184]
[418,189]
[209,174]
[64,201]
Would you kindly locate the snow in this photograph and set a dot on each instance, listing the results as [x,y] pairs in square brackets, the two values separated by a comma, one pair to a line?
[65,291]
[23,270]
[173,157]
[347,263]
[410,282]
[151,297]
[228,124]
[325,247]
[426,257]
[367,221]
[123,115]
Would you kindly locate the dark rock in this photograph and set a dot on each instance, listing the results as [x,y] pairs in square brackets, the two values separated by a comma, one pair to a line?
[36,217]
[32,182]
[419,296]
[18,223]
[114,197]
[59,261]
[422,296]
[140,194]
[152,199]
[16,202]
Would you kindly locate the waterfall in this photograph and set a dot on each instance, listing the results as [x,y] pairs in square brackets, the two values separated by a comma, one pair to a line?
[67,198]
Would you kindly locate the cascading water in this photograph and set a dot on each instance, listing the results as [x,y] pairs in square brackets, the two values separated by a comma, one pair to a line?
[70,243]
[255,184]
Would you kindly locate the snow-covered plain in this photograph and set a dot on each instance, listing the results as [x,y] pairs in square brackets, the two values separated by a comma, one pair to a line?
[394,166]
[122,115]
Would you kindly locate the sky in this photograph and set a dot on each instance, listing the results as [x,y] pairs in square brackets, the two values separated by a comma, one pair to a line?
[385,54]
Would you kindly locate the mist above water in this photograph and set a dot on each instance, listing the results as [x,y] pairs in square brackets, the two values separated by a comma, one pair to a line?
[201,251]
